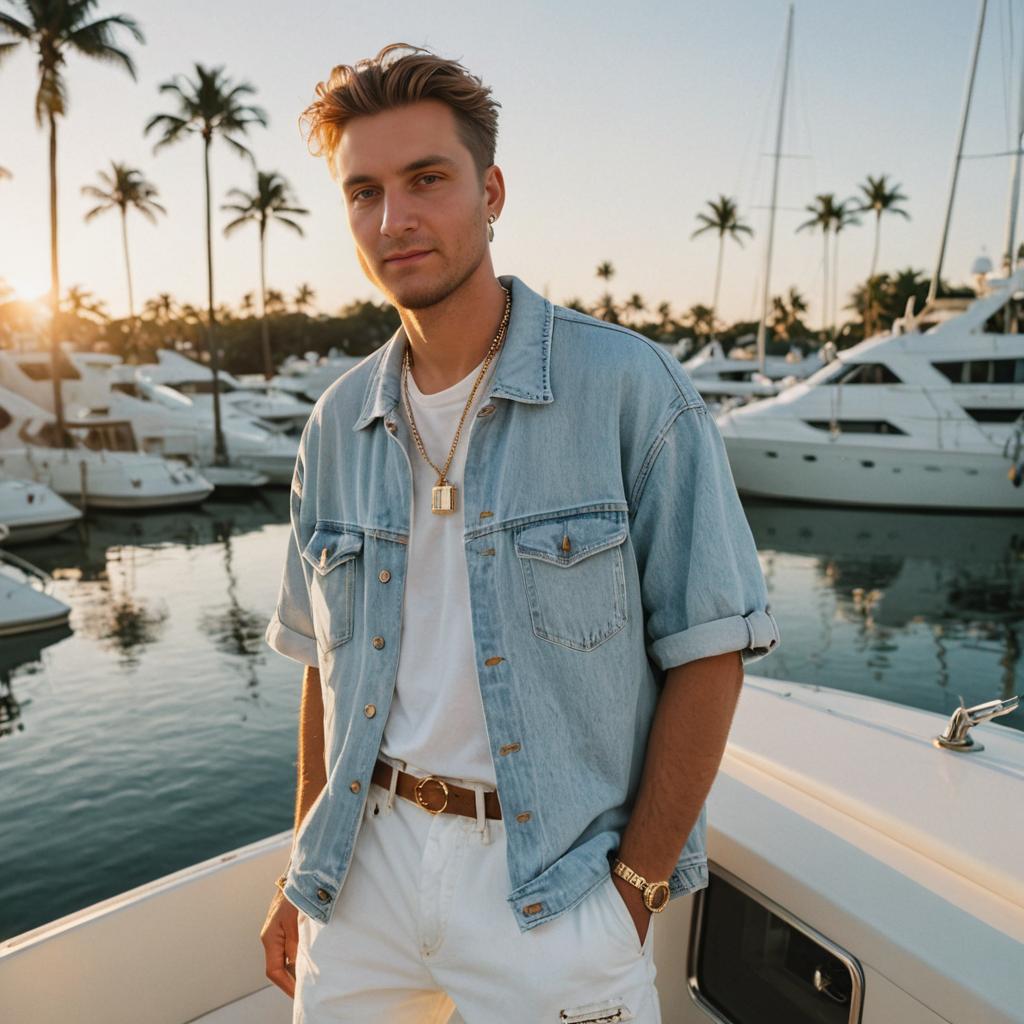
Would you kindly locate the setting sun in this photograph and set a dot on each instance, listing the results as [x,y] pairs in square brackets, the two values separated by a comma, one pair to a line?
[26,283]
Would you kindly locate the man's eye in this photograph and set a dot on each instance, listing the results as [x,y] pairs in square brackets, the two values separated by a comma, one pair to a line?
[425,176]
[361,191]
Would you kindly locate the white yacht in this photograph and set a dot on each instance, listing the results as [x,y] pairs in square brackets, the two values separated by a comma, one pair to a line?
[101,392]
[929,415]
[862,871]
[309,376]
[742,367]
[31,511]
[29,450]
[26,605]
[282,411]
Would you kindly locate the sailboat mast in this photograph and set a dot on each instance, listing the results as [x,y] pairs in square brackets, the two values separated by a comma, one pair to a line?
[934,287]
[775,192]
[1011,227]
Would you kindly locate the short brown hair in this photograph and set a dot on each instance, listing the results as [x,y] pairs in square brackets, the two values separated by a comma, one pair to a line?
[376,84]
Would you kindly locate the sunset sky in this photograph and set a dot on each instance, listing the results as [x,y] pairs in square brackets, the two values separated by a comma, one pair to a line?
[618,121]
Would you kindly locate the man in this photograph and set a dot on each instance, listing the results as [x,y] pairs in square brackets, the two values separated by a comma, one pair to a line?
[524,588]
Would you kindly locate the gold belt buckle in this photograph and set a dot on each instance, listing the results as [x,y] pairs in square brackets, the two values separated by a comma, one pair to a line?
[419,797]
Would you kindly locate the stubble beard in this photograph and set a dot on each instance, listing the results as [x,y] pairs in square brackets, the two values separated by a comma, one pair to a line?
[424,294]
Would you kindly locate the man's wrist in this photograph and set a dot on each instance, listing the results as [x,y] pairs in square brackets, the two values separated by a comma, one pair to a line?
[655,894]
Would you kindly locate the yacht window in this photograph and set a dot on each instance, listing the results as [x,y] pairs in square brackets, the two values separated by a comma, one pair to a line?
[867,373]
[754,963]
[983,371]
[857,426]
[983,415]
[979,371]
[203,387]
[43,370]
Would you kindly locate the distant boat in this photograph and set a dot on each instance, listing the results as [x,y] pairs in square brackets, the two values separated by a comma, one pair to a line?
[32,511]
[929,415]
[283,411]
[29,450]
[311,375]
[25,604]
[101,392]
[859,873]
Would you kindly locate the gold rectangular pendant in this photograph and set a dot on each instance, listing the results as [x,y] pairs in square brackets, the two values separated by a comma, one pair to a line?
[442,498]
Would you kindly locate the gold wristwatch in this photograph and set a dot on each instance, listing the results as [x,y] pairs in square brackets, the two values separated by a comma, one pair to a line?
[651,890]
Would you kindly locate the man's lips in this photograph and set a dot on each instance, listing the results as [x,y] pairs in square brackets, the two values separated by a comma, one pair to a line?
[411,258]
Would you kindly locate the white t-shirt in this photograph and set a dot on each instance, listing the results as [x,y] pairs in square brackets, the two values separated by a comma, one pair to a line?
[436,722]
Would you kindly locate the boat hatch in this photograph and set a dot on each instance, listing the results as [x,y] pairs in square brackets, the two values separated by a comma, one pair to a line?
[750,961]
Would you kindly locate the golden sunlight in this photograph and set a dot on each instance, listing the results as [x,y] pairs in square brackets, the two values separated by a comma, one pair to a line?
[28,284]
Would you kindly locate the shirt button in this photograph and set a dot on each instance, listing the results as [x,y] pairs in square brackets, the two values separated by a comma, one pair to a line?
[378,642]
[383,575]
[370,710]
[486,515]
[525,816]
[509,748]
[493,661]
[323,895]
[486,410]
[391,425]
[354,786]
[533,908]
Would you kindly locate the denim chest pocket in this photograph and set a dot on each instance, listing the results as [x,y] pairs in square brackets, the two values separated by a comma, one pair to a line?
[574,576]
[332,552]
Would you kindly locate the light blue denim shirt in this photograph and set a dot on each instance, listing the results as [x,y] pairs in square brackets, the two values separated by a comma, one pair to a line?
[605,544]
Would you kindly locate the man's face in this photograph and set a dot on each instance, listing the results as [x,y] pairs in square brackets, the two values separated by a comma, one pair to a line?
[410,185]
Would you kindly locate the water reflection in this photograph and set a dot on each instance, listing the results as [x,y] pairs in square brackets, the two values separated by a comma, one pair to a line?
[17,651]
[960,576]
[103,567]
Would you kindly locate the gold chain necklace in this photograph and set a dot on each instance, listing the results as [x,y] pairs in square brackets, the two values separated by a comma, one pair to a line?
[443,494]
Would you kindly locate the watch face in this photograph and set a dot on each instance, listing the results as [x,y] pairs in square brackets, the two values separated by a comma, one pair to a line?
[657,896]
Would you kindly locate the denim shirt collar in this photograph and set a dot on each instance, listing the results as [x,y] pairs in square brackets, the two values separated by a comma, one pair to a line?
[522,372]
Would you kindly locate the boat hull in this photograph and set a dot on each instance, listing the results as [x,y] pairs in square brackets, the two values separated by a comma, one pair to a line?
[845,473]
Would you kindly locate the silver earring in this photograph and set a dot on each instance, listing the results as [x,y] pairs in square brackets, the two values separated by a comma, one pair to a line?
[490,230]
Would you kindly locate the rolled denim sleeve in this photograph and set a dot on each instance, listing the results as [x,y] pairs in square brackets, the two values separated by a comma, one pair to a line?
[290,631]
[701,582]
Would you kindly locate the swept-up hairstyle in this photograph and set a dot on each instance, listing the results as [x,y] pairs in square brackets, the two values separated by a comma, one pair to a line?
[390,80]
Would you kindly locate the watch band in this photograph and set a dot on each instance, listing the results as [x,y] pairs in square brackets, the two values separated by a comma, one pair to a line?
[656,894]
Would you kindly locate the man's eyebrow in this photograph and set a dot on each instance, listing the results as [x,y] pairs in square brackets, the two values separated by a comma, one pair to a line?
[425,161]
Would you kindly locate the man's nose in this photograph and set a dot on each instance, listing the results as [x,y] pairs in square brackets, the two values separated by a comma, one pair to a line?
[398,217]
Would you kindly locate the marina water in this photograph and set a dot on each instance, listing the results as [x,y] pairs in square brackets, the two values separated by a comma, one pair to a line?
[159,730]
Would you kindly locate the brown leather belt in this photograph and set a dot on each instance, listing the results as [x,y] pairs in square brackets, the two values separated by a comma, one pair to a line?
[434,794]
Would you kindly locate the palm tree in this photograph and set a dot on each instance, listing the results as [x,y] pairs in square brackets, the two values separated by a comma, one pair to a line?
[275,302]
[122,189]
[53,29]
[272,200]
[878,198]
[635,304]
[824,212]
[304,296]
[701,319]
[846,216]
[606,309]
[208,106]
[160,309]
[723,219]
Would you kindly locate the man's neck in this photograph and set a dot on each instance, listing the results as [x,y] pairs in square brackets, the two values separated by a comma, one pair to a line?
[450,339]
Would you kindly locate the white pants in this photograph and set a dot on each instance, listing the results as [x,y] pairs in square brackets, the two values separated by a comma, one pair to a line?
[422,934]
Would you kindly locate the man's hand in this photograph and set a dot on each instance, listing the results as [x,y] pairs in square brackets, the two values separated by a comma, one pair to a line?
[280,938]
[634,900]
